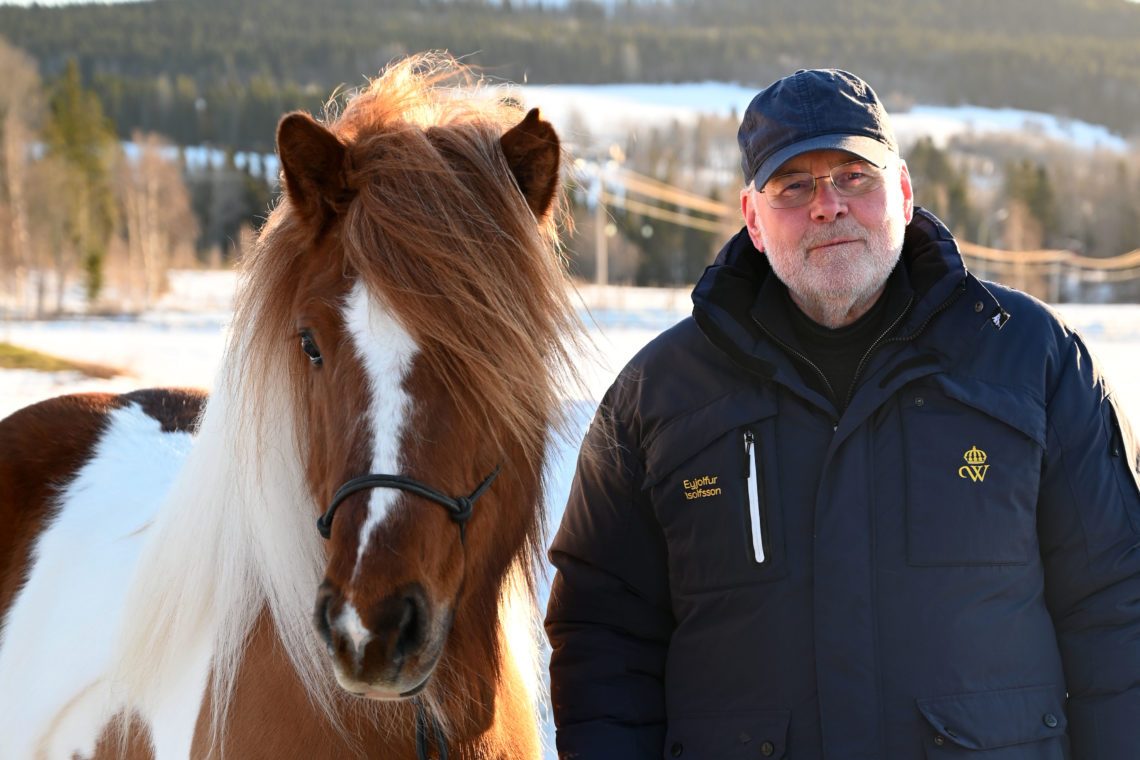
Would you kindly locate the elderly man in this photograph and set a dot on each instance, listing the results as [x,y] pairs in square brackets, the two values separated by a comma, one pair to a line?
[862,505]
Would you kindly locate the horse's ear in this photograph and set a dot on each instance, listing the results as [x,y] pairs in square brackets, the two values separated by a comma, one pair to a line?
[533,153]
[313,159]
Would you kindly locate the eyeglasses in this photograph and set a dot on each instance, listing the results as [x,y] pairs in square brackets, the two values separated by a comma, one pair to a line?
[798,188]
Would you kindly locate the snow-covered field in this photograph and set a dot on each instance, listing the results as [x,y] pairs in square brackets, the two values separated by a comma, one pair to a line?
[608,110]
[181,342]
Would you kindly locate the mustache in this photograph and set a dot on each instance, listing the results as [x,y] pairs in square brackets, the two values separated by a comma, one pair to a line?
[839,229]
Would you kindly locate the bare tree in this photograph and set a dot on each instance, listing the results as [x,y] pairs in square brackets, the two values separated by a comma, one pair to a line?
[21,110]
[49,180]
[159,223]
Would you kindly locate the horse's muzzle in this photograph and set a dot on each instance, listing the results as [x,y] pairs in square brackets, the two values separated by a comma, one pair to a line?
[387,650]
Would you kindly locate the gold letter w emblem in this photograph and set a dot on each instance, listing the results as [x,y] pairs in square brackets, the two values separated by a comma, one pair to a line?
[974,472]
[975,467]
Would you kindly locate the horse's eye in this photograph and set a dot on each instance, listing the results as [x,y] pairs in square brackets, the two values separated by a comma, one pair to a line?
[309,346]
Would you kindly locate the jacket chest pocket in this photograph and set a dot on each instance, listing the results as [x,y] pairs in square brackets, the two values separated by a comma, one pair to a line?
[973,456]
[719,508]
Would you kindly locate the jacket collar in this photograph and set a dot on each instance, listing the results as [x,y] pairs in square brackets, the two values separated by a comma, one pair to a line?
[729,296]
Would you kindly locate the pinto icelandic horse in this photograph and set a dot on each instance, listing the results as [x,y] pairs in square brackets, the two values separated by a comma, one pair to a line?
[403,329]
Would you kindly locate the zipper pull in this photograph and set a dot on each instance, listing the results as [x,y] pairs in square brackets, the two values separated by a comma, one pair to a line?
[752,486]
[749,439]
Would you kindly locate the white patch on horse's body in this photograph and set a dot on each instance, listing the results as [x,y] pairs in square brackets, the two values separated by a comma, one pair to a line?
[234,540]
[386,351]
[59,635]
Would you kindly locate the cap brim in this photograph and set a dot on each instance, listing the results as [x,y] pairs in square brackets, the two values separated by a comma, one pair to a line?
[867,148]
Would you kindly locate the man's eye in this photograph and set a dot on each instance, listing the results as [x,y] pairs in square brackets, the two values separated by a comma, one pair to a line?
[794,187]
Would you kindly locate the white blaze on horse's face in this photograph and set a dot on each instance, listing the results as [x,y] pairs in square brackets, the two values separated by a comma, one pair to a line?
[353,628]
[386,351]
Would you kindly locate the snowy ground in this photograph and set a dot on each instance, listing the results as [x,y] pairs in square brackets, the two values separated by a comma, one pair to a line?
[181,342]
[608,110]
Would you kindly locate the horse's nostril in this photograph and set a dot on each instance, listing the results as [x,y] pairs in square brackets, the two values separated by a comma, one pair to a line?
[402,620]
[321,615]
[410,631]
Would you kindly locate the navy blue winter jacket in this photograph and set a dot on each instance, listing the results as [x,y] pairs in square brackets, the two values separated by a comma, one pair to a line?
[949,569]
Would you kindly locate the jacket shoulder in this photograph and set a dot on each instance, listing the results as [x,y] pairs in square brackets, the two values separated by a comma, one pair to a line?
[1033,351]
[1035,315]
[678,371]
[679,393]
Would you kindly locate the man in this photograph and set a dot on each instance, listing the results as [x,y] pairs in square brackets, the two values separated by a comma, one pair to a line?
[862,505]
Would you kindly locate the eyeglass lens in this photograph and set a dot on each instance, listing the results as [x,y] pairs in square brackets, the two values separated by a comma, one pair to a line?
[798,188]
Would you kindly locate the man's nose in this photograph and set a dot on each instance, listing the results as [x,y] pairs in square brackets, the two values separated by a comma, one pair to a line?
[827,204]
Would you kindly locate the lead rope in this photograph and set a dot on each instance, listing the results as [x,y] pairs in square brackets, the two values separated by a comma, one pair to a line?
[422,720]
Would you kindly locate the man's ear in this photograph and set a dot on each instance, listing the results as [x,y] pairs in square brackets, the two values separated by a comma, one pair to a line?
[748,202]
[907,191]
[535,156]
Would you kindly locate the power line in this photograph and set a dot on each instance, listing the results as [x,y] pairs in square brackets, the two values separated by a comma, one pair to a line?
[693,222]
[1045,257]
[652,188]
[1114,268]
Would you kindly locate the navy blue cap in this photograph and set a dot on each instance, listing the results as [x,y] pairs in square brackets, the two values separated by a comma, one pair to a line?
[815,109]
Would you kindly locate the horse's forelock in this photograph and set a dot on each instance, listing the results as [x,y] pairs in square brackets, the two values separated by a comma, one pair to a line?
[440,229]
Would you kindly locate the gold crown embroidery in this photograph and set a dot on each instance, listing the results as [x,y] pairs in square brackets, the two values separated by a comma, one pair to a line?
[975,468]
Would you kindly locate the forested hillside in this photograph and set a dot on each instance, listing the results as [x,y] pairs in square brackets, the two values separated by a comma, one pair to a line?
[77,205]
[223,71]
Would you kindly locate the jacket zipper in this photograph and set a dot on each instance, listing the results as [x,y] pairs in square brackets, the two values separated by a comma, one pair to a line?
[798,355]
[950,300]
[752,486]
[863,362]
[879,342]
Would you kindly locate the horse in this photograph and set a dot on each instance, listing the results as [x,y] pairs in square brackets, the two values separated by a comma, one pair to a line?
[400,343]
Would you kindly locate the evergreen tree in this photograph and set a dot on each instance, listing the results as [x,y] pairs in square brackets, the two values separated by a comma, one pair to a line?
[941,188]
[1042,203]
[1032,220]
[81,139]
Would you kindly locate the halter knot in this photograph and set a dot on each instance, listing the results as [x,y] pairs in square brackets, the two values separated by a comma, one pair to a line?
[463,508]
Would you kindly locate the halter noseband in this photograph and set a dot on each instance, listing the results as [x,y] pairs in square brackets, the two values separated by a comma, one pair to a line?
[459,508]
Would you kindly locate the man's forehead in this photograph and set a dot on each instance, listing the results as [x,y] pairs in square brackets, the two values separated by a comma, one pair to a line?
[805,161]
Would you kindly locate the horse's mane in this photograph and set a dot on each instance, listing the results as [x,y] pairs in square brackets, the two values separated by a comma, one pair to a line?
[437,228]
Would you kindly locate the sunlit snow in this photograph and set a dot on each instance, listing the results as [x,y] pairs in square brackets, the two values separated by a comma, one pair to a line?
[609,110]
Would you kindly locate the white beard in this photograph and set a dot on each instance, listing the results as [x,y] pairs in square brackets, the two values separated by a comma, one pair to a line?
[835,286]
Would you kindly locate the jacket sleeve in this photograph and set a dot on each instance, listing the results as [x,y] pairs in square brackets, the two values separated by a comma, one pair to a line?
[1089,527]
[609,618]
